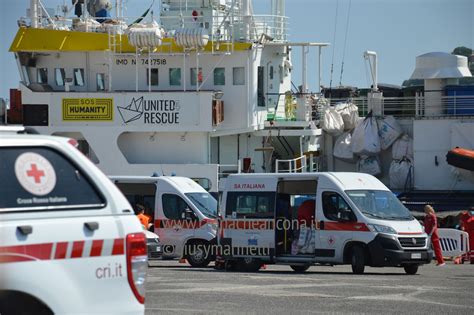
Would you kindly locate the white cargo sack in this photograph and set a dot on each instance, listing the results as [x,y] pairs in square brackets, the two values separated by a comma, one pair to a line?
[403,148]
[389,131]
[401,174]
[343,148]
[365,138]
[332,122]
[369,165]
[349,113]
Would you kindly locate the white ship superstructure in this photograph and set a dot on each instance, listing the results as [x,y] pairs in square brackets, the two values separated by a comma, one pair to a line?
[182,96]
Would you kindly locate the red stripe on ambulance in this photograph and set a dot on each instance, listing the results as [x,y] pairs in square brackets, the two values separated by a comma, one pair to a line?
[118,247]
[345,226]
[77,249]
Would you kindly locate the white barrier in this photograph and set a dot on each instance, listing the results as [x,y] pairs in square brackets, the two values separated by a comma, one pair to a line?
[454,243]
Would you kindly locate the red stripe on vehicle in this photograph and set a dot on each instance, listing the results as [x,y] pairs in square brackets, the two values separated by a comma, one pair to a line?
[77,248]
[118,247]
[61,250]
[14,258]
[34,251]
[345,226]
[96,248]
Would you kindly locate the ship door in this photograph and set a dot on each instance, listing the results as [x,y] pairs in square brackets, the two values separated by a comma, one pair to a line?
[261,87]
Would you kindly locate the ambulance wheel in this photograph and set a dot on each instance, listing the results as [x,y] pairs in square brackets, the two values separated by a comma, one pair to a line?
[249,264]
[198,255]
[300,268]
[411,269]
[358,259]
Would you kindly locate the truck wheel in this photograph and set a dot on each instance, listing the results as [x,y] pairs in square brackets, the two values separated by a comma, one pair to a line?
[300,268]
[249,264]
[199,254]
[411,269]
[358,260]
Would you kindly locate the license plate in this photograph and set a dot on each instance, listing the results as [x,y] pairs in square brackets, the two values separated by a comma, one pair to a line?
[158,248]
[416,256]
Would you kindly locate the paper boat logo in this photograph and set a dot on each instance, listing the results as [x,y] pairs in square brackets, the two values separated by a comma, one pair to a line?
[133,111]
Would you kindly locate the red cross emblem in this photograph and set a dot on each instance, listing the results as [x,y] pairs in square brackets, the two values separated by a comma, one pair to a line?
[331,240]
[36,173]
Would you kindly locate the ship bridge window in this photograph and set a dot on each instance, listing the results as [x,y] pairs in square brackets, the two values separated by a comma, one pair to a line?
[100,82]
[42,75]
[271,73]
[59,76]
[238,75]
[194,74]
[79,77]
[219,76]
[152,77]
[175,76]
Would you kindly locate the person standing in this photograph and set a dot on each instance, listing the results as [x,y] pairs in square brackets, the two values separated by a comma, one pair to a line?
[431,228]
[144,220]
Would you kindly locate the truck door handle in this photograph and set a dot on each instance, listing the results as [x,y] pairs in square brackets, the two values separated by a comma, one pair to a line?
[92,226]
[25,229]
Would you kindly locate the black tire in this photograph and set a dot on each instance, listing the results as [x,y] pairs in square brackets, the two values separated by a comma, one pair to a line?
[358,260]
[198,254]
[249,264]
[411,269]
[300,268]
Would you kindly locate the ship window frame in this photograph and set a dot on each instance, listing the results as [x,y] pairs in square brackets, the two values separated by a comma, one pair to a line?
[102,79]
[62,76]
[172,78]
[155,77]
[237,78]
[42,75]
[79,71]
[192,76]
[219,78]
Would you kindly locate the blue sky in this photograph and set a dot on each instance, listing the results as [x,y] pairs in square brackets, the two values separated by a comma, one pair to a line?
[398,30]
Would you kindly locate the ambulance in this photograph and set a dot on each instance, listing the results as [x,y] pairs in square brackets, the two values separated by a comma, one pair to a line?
[69,241]
[302,219]
[183,212]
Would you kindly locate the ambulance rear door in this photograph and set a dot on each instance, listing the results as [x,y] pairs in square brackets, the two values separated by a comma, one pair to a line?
[248,216]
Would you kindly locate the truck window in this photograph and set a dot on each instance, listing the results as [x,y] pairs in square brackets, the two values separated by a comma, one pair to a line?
[251,204]
[174,206]
[34,178]
[335,208]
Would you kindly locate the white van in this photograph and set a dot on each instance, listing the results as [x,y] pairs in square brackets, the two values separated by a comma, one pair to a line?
[308,218]
[184,214]
[69,242]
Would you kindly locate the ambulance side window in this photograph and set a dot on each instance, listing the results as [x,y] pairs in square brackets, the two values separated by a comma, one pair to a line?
[251,204]
[174,206]
[335,208]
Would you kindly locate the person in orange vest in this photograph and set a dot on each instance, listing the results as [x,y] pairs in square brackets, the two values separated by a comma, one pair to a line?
[144,220]
[431,228]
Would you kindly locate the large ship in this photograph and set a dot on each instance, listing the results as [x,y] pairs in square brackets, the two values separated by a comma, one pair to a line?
[206,89]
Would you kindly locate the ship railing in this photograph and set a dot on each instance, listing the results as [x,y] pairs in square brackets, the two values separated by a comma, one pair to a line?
[274,26]
[296,165]
[427,106]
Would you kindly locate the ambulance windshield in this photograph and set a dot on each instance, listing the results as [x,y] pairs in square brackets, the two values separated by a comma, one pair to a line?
[205,203]
[379,204]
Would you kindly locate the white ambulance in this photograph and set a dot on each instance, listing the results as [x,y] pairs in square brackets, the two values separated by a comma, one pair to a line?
[183,213]
[327,218]
[69,242]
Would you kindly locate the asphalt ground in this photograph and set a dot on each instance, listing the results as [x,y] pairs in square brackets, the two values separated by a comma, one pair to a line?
[177,288]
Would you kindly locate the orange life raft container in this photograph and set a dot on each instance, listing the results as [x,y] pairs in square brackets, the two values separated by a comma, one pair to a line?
[462,158]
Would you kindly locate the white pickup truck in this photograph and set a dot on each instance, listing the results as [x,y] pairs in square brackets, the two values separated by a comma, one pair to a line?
[69,241]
